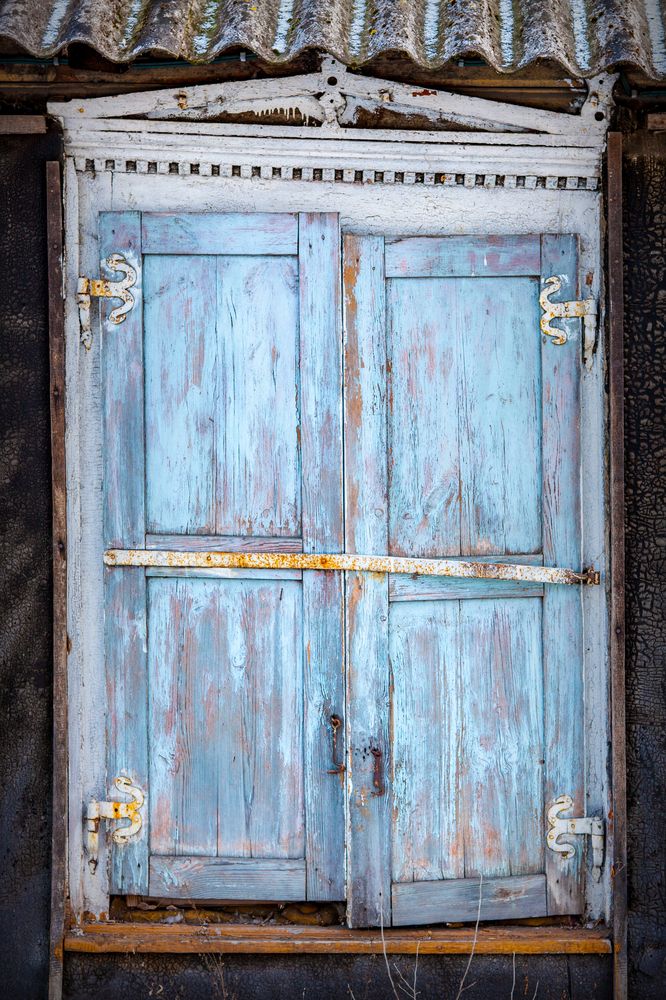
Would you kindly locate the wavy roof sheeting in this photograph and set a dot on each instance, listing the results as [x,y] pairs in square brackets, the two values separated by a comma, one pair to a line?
[584,37]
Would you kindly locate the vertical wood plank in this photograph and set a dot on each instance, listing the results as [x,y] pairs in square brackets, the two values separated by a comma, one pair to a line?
[124,525]
[427,838]
[59,556]
[366,530]
[562,607]
[122,377]
[618,720]
[322,521]
[501,784]
[497,329]
[423,448]
[180,389]
[127,725]
[257,460]
[184,723]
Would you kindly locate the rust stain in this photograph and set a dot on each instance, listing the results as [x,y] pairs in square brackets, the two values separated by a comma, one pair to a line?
[424,93]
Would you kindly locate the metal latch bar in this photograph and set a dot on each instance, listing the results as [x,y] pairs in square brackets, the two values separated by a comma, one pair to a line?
[587,826]
[105,288]
[97,811]
[354,563]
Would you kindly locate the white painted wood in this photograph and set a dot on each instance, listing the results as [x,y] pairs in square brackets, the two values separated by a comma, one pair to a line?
[323,96]
[439,208]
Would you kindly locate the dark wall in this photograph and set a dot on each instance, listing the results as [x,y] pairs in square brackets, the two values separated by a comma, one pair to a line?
[25,655]
[645,446]
[25,567]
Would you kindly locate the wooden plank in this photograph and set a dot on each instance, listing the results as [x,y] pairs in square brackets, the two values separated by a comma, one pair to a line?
[323,625]
[216,233]
[181,364]
[227,878]
[236,938]
[428,588]
[366,529]
[458,899]
[427,727]
[22,124]
[223,543]
[258,461]
[183,663]
[656,122]
[223,574]
[497,326]
[562,608]
[123,393]
[423,448]
[501,788]
[462,256]
[54,237]
[617,623]
[321,377]
[125,639]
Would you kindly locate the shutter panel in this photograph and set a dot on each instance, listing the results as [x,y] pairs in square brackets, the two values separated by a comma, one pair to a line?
[218,435]
[462,439]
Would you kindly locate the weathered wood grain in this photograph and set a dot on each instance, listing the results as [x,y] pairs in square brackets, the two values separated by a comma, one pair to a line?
[562,612]
[423,441]
[427,725]
[500,898]
[227,878]
[215,233]
[462,256]
[127,723]
[323,614]
[501,782]
[221,573]
[223,543]
[181,364]
[123,393]
[497,326]
[225,672]
[366,489]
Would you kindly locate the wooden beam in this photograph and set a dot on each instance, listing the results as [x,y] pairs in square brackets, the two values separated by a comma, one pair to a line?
[22,124]
[59,556]
[617,651]
[249,938]
[655,122]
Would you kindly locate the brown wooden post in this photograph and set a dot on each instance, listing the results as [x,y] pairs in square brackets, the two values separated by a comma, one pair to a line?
[616,439]
[59,527]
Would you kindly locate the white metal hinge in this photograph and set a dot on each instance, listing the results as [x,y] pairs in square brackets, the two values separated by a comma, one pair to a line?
[590,826]
[97,811]
[585,309]
[104,288]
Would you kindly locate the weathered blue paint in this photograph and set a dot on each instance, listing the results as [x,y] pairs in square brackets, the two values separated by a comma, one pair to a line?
[124,521]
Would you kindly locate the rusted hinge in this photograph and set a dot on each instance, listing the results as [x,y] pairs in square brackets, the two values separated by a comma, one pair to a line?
[585,309]
[104,288]
[97,811]
[590,826]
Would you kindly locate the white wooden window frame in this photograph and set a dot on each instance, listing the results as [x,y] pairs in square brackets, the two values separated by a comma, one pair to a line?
[504,181]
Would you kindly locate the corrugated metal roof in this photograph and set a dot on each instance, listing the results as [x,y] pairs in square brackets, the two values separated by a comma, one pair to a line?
[584,37]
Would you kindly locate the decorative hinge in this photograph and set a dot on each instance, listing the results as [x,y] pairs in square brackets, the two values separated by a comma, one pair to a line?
[97,811]
[591,826]
[576,309]
[103,288]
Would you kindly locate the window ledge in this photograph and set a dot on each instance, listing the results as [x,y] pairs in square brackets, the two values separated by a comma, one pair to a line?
[126,937]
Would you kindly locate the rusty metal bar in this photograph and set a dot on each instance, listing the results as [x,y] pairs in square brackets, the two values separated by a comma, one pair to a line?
[349,562]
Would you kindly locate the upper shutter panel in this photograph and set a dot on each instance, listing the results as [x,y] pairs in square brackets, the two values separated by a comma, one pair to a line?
[464,441]
[218,435]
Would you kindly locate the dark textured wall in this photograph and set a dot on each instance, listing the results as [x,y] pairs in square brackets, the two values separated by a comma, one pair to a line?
[25,568]
[645,447]
[25,656]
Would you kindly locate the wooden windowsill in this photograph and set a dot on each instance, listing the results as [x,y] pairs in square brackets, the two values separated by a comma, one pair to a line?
[229,938]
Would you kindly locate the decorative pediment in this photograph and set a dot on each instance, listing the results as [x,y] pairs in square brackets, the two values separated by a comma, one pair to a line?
[333,99]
